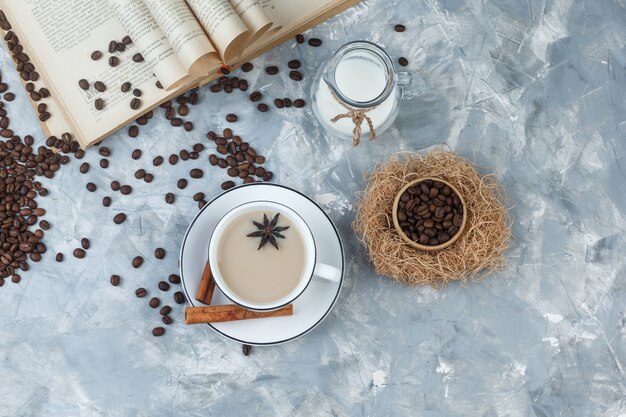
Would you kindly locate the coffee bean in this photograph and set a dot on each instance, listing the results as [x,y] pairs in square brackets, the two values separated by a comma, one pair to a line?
[104,163]
[228,88]
[399,28]
[125,87]
[196,173]
[9,96]
[294,64]
[137,261]
[126,40]
[295,75]
[279,103]
[181,183]
[135,103]
[154,302]
[106,201]
[403,61]
[159,253]
[115,185]
[173,159]
[183,110]
[167,320]
[79,253]
[112,46]
[158,331]
[59,257]
[141,292]
[115,280]
[136,154]
[299,103]
[231,118]
[287,102]
[179,297]
[216,88]
[247,67]
[262,107]
[114,61]
[99,86]
[84,242]
[138,58]
[174,279]
[256,96]
[98,104]
[300,38]
[226,185]
[315,42]
[268,176]
[271,70]
[84,167]
[165,310]
[158,160]
[170,198]
[243,85]
[119,218]
[96,55]
[84,84]
[246,350]
[126,189]
[137,92]
[164,286]
[188,126]
[91,187]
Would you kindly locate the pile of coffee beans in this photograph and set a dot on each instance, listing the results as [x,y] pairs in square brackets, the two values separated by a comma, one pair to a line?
[430,213]
[238,158]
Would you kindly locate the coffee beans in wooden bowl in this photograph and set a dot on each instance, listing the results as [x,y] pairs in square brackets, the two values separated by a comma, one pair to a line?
[429,214]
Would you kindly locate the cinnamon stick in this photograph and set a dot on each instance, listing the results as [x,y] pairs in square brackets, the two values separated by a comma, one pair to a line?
[207,286]
[230,312]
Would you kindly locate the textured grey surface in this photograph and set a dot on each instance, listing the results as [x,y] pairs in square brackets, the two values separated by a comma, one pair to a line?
[533,90]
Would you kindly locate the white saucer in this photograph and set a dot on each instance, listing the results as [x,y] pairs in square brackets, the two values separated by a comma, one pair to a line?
[309,310]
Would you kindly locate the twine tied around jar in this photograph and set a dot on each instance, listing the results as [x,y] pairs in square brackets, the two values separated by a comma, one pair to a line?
[357,116]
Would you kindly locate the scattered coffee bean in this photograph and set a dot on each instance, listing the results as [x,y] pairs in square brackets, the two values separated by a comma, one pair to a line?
[226,185]
[112,46]
[246,350]
[256,96]
[154,302]
[247,67]
[287,102]
[91,187]
[115,185]
[294,64]
[403,61]
[135,103]
[104,163]
[165,310]
[179,297]
[158,331]
[106,201]
[300,38]
[99,104]
[125,87]
[196,173]
[133,131]
[137,92]
[126,189]
[79,253]
[164,286]
[84,167]
[9,96]
[188,126]
[181,183]
[315,42]
[271,70]
[119,218]
[136,154]
[295,75]
[173,159]
[174,279]
[170,198]
[198,196]
[84,242]
[159,253]
[96,55]
[114,61]
[138,58]
[167,320]
[231,118]
[59,257]
[299,103]
[262,107]
[137,261]
[84,84]
[399,28]
[141,292]
[115,280]
[99,86]
[279,103]
[158,160]
[126,40]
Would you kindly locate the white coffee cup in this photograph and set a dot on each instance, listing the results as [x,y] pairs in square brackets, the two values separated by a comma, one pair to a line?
[312,268]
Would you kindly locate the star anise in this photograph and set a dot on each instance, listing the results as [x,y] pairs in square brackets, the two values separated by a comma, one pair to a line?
[268,231]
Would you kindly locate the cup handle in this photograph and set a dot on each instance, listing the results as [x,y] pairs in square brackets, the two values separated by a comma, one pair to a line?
[327,272]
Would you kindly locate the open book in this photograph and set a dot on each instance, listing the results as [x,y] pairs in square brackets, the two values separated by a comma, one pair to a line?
[184,43]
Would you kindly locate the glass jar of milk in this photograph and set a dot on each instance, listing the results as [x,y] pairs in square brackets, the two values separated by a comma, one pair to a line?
[356,94]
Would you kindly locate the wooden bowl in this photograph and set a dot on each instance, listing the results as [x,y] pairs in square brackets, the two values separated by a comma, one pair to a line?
[408,240]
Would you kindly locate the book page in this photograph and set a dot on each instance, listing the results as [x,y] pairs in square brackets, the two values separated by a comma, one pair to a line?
[224,27]
[60,36]
[146,34]
[188,39]
[253,16]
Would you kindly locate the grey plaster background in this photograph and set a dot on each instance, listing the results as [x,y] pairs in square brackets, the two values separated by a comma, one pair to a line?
[533,90]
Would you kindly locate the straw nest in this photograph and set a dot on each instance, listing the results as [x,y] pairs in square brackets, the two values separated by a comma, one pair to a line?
[478,252]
